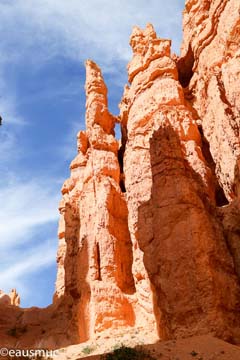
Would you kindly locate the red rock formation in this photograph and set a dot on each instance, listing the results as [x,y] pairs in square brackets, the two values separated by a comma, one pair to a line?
[149,228]
[212,33]
[211,41]
[171,199]
[95,253]
[10,299]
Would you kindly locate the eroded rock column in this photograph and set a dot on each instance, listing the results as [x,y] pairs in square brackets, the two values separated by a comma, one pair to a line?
[212,32]
[171,197]
[95,253]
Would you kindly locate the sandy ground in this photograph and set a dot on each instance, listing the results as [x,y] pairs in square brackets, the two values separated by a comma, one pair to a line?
[107,343]
[196,348]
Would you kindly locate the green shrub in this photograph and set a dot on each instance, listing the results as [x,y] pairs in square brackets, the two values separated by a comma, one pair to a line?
[127,353]
[87,350]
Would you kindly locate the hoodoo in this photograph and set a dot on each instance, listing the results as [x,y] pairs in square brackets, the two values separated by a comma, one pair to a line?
[149,230]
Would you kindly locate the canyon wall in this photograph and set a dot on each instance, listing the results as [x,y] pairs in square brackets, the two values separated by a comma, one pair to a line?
[171,193]
[210,57]
[149,228]
[210,52]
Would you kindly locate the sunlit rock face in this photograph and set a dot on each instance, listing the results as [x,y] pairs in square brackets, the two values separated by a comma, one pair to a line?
[10,299]
[149,228]
[95,253]
[212,42]
[171,188]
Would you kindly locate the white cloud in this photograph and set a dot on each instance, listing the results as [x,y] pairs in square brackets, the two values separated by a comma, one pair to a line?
[8,103]
[27,212]
[16,265]
[9,113]
[80,29]
[23,208]
[34,32]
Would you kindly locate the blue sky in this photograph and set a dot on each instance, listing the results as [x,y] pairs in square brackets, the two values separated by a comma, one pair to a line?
[44,44]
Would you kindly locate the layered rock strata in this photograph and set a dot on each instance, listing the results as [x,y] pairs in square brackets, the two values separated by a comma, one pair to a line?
[95,255]
[211,59]
[149,225]
[171,199]
[211,45]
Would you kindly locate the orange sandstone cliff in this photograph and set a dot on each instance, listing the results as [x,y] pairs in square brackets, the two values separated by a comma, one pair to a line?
[10,299]
[149,230]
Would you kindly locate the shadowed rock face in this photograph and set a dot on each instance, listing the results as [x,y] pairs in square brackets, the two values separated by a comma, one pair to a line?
[149,227]
[211,29]
[192,270]
[171,193]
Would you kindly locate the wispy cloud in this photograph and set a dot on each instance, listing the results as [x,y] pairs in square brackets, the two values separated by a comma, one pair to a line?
[8,102]
[83,29]
[33,34]
[23,208]
[27,212]
[18,264]
[9,113]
